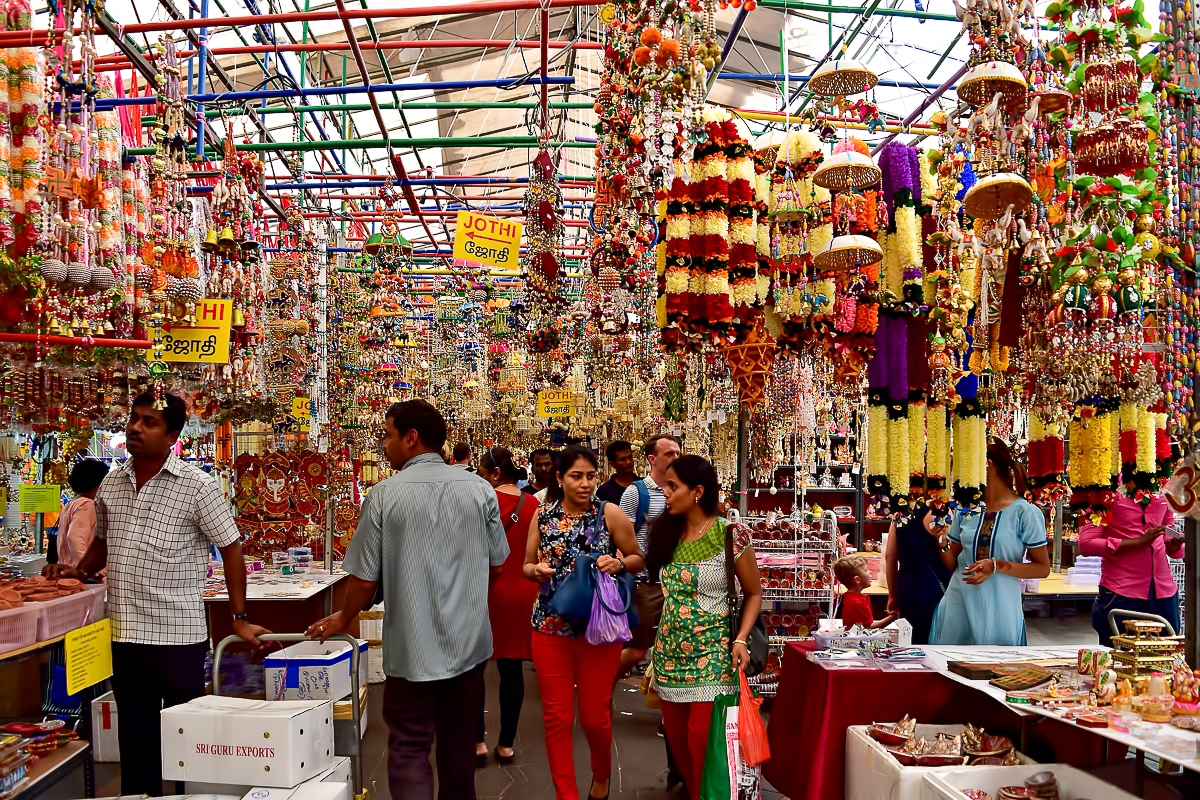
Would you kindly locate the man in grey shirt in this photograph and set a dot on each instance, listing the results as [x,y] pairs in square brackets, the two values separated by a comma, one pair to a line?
[432,533]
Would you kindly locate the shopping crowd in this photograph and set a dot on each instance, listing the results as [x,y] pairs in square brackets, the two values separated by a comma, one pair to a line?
[481,559]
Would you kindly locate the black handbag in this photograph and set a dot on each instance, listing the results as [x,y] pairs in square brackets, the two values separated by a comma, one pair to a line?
[756,642]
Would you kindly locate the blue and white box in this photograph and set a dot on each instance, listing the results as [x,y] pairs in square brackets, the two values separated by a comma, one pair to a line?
[313,671]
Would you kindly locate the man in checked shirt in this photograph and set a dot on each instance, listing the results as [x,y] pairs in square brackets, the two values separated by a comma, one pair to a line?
[155,519]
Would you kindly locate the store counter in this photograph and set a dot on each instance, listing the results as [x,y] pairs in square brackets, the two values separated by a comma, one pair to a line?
[280,603]
[815,705]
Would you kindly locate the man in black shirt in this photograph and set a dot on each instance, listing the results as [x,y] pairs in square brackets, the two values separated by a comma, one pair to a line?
[541,465]
[620,460]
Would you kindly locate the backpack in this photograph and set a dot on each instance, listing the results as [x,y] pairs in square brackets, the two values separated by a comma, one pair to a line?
[643,506]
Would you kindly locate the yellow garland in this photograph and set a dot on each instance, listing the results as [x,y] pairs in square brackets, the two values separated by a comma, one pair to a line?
[897,456]
[660,310]
[1129,416]
[1076,463]
[819,237]
[908,235]
[677,280]
[970,454]
[938,457]
[825,288]
[928,180]
[1114,447]
[917,439]
[742,231]
[1037,427]
[877,442]
[1146,450]
[762,286]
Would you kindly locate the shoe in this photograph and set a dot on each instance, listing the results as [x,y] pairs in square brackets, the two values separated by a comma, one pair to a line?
[673,779]
[595,797]
[481,759]
[503,759]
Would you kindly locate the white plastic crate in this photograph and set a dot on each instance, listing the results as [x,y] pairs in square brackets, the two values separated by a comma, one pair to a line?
[71,612]
[873,773]
[19,627]
[1073,784]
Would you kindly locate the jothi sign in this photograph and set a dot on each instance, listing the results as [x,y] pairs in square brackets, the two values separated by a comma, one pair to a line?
[555,403]
[206,342]
[487,240]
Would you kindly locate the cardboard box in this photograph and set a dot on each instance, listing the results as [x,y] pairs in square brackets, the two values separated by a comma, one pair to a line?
[105,746]
[313,671]
[229,740]
[338,774]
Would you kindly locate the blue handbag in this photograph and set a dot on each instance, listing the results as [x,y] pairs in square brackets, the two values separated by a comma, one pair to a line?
[573,598]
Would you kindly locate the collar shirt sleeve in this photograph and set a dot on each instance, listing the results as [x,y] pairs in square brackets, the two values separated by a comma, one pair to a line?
[213,515]
[1094,542]
[364,555]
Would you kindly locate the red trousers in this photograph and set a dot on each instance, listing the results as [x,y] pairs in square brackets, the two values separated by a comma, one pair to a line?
[566,668]
[686,725]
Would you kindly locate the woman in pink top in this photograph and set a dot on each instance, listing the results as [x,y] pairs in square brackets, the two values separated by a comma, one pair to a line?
[77,524]
[1135,574]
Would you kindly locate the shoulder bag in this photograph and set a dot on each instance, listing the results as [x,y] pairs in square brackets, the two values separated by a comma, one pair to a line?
[756,642]
[573,598]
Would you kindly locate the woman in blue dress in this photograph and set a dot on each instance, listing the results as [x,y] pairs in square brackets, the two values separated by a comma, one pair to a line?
[986,552]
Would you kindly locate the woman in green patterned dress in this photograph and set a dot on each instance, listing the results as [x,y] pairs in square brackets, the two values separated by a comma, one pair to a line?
[694,659]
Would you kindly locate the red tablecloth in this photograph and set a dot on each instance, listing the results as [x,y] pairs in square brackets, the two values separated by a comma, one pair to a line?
[814,706]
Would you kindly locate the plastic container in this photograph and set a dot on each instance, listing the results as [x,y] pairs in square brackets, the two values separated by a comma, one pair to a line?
[71,612]
[1074,784]
[19,627]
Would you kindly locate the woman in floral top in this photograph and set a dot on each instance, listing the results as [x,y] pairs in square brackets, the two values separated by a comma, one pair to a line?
[572,523]
[694,660]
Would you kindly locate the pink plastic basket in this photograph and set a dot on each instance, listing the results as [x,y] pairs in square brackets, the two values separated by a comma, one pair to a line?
[19,627]
[68,613]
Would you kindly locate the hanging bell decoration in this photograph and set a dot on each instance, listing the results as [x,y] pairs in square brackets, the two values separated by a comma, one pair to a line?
[226,243]
[209,245]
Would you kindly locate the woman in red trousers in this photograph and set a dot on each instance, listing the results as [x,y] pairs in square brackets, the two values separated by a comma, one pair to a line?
[509,602]
[572,523]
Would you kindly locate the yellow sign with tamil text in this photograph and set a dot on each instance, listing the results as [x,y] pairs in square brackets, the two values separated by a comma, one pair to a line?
[89,656]
[555,403]
[487,240]
[41,498]
[206,342]
[302,411]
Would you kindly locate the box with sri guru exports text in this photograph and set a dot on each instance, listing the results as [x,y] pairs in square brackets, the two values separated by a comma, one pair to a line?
[230,740]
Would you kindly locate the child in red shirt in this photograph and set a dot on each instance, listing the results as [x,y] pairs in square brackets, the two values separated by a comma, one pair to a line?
[851,572]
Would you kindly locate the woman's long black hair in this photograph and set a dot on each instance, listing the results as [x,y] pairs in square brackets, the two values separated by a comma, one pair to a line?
[501,458]
[691,471]
[566,459]
[1012,473]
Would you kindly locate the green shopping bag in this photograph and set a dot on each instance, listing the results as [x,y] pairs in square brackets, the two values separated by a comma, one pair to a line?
[718,772]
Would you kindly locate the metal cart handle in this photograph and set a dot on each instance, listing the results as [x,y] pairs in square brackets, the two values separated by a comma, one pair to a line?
[355,709]
[1112,620]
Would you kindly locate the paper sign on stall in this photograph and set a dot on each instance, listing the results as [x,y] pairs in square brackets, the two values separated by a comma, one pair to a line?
[89,656]
[41,498]
[555,403]
[206,342]
[302,411]
[487,240]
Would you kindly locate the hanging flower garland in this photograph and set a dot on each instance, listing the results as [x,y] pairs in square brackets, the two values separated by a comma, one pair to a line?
[937,460]
[970,453]
[1046,459]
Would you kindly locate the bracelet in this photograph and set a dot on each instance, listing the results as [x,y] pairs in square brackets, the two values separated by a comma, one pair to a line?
[623,567]
[741,642]
[995,566]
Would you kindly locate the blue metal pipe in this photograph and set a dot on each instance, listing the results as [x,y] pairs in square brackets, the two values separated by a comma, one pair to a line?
[202,41]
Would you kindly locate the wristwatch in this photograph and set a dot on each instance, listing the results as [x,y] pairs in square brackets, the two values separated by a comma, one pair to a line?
[239,617]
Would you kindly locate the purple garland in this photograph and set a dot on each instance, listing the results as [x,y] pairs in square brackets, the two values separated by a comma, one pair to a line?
[877,367]
[896,344]
[900,169]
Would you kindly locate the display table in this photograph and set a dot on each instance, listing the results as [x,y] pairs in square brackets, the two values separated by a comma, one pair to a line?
[814,707]
[280,603]
[1053,586]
